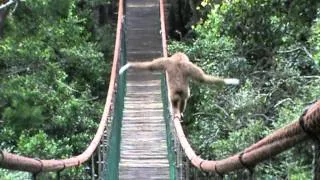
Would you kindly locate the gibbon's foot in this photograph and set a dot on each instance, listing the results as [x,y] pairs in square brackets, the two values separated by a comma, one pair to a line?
[231,81]
[181,117]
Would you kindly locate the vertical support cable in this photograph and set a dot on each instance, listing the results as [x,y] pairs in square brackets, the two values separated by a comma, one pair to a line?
[104,145]
[59,172]
[92,167]
[252,175]
[99,161]
[316,160]
[177,159]
[187,168]
[34,176]
[180,164]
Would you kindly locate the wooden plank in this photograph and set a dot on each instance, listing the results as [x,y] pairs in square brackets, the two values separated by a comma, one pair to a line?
[143,55]
[143,138]
[144,106]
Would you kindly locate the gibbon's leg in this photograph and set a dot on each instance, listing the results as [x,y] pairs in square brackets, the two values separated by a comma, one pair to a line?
[156,64]
[179,101]
[183,105]
[175,103]
[175,106]
[197,73]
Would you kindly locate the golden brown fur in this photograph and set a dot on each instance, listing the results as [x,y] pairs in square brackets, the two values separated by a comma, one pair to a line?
[179,70]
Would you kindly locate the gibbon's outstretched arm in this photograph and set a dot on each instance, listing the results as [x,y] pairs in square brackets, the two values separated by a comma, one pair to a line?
[197,74]
[157,64]
[179,69]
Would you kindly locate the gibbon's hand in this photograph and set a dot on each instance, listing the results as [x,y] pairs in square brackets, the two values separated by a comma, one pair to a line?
[124,68]
[231,81]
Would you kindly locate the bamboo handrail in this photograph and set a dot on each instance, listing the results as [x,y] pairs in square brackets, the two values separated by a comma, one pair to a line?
[22,163]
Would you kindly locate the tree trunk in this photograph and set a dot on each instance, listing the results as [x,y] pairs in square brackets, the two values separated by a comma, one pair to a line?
[3,15]
[195,15]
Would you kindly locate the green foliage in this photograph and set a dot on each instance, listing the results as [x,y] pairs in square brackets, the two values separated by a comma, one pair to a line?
[239,139]
[52,79]
[9,175]
[260,28]
[315,38]
[272,47]
[40,141]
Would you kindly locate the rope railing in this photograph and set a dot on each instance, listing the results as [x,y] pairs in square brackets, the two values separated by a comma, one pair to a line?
[33,165]
[307,127]
[179,171]
[112,166]
[269,146]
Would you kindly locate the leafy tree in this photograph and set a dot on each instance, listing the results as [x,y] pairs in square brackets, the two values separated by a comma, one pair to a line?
[315,38]
[272,47]
[53,64]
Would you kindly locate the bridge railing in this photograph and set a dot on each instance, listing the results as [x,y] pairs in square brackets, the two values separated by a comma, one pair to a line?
[99,142]
[113,159]
[306,128]
[178,162]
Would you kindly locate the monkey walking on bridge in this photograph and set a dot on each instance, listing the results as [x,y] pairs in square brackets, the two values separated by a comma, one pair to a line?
[179,70]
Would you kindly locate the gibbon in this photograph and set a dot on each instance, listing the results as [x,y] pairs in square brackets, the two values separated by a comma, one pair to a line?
[179,70]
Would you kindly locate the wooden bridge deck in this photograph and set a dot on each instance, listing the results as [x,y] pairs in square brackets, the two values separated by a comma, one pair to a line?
[143,136]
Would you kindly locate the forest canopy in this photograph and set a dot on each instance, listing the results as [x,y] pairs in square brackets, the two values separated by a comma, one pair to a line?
[55,60]
[55,56]
[273,47]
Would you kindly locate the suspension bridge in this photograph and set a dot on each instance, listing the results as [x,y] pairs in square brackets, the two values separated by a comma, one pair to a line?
[138,137]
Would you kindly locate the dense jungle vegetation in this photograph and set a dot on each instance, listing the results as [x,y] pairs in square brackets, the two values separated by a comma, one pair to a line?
[273,47]
[55,57]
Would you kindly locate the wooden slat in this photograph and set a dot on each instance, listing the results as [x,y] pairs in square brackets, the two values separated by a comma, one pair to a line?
[143,135]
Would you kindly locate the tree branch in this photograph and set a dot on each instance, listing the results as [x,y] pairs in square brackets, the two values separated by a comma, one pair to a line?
[307,52]
[87,100]
[290,50]
[282,101]
[301,48]
[2,6]
[67,86]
